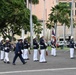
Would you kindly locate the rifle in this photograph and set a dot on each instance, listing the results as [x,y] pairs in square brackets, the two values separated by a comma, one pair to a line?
[39,52]
[29,51]
[46,52]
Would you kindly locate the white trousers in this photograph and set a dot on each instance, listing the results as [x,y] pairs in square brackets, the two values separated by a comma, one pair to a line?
[53,51]
[35,54]
[71,52]
[6,58]
[25,54]
[42,56]
[2,55]
[22,52]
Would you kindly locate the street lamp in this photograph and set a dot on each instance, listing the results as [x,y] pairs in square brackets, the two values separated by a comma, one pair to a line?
[31,24]
[44,19]
[27,2]
[72,18]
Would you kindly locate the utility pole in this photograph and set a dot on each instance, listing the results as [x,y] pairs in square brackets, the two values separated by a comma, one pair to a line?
[57,1]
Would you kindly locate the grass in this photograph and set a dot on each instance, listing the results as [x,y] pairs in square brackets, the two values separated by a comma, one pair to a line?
[64,48]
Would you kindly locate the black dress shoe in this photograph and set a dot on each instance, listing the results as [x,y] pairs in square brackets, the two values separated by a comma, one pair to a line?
[27,59]
[72,58]
[13,63]
[4,62]
[36,60]
[44,62]
[24,63]
[1,59]
[8,62]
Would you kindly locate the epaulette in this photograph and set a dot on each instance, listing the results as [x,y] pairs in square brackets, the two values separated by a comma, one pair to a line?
[3,42]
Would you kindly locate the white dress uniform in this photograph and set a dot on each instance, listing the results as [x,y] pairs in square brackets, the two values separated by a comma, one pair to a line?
[25,53]
[7,48]
[53,50]
[71,48]
[35,47]
[43,48]
[2,49]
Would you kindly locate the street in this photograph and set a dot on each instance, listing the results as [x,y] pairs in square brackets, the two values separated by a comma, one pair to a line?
[59,65]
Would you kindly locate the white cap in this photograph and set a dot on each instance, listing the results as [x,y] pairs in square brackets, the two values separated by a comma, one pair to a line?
[7,38]
[1,38]
[71,37]
[25,37]
[34,36]
[41,35]
[21,38]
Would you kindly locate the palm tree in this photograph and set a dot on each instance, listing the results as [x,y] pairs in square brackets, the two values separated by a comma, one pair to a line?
[54,16]
[60,14]
[35,2]
[64,16]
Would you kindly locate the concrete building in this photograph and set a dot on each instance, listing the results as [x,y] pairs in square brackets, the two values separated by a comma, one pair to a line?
[68,30]
[39,9]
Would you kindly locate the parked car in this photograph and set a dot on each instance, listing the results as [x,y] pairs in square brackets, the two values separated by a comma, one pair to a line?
[61,42]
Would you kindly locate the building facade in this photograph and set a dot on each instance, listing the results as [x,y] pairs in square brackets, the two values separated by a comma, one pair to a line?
[43,9]
[68,30]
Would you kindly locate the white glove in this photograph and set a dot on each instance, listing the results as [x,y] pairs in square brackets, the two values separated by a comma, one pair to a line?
[5,48]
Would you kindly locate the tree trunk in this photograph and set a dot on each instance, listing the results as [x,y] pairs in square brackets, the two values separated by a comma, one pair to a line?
[64,32]
[56,30]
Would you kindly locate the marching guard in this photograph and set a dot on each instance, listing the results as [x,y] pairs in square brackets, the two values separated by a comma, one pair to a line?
[18,52]
[43,48]
[2,49]
[35,47]
[71,47]
[7,48]
[25,52]
[53,45]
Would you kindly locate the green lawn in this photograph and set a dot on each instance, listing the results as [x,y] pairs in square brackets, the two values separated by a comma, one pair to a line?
[65,48]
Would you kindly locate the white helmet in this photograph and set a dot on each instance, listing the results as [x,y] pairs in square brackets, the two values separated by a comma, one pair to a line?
[25,37]
[72,37]
[34,36]
[41,35]
[1,38]
[7,38]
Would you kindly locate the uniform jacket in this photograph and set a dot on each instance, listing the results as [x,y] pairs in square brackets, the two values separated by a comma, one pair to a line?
[7,47]
[18,48]
[42,44]
[1,46]
[22,45]
[53,44]
[35,44]
[71,43]
[26,44]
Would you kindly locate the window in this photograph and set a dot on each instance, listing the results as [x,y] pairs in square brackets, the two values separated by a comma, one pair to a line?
[75,4]
[75,12]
